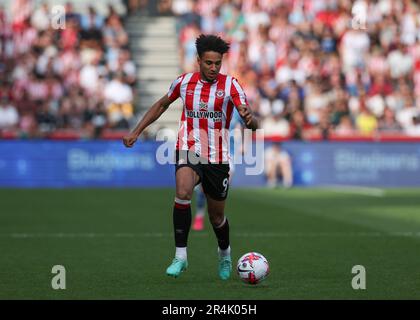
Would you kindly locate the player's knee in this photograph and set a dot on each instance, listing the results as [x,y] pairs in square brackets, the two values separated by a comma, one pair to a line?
[184,194]
[216,219]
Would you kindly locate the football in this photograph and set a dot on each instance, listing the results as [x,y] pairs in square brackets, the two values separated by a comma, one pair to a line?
[252,268]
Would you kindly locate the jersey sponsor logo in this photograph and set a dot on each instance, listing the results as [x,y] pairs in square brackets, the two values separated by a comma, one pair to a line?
[202,105]
[190,92]
[220,94]
[215,115]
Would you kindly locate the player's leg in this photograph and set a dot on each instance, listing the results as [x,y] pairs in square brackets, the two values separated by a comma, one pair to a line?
[271,174]
[285,168]
[270,169]
[220,225]
[215,185]
[219,222]
[198,224]
[186,179]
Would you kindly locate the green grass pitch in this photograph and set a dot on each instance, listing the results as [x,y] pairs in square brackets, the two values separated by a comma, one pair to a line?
[116,244]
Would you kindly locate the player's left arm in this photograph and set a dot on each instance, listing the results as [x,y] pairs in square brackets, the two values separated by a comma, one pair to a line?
[240,101]
[247,117]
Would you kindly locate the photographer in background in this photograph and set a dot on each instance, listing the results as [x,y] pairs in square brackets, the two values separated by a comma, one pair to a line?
[278,163]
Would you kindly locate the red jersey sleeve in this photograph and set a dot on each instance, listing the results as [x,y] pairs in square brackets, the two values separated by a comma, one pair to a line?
[175,89]
[237,94]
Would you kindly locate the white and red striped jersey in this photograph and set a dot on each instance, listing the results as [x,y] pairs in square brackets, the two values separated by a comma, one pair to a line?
[207,112]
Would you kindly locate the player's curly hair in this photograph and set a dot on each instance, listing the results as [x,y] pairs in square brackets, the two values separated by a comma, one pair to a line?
[211,43]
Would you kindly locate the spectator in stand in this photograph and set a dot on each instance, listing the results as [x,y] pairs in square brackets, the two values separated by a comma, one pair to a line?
[28,127]
[91,25]
[276,125]
[293,95]
[345,127]
[270,101]
[316,101]
[89,76]
[380,86]
[388,124]
[339,107]
[291,70]
[94,119]
[114,32]
[9,117]
[125,65]
[406,115]
[212,22]
[366,122]
[324,127]
[134,6]
[414,129]
[262,51]
[300,128]
[70,35]
[354,48]
[119,102]
[92,20]
[188,51]
[41,17]
[45,119]
[21,11]
[187,11]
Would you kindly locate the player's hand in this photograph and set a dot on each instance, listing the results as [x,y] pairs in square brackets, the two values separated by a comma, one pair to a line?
[129,140]
[245,115]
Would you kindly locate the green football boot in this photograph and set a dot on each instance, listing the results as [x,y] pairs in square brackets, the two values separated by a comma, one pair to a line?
[225,267]
[177,266]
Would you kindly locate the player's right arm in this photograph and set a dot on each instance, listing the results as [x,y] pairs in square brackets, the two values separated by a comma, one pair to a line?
[154,112]
[157,109]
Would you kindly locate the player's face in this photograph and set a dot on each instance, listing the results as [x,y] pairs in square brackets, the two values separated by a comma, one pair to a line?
[210,64]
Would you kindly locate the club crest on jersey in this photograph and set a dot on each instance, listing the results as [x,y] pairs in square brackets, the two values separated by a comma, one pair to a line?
[220,93]
[202,105]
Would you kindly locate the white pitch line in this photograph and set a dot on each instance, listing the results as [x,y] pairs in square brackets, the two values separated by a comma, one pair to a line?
[410,234]
[329,234]
[88,235]
[365,191]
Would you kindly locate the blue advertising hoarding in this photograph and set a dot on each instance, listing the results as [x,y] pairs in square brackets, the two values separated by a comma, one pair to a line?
[385,164]
[61,164]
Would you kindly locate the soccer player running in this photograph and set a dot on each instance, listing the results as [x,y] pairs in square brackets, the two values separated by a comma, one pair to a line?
[202,149]
[198,224]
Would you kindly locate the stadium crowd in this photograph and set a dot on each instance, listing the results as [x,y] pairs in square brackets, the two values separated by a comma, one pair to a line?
[80,77]
[317,68]
[310,68]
